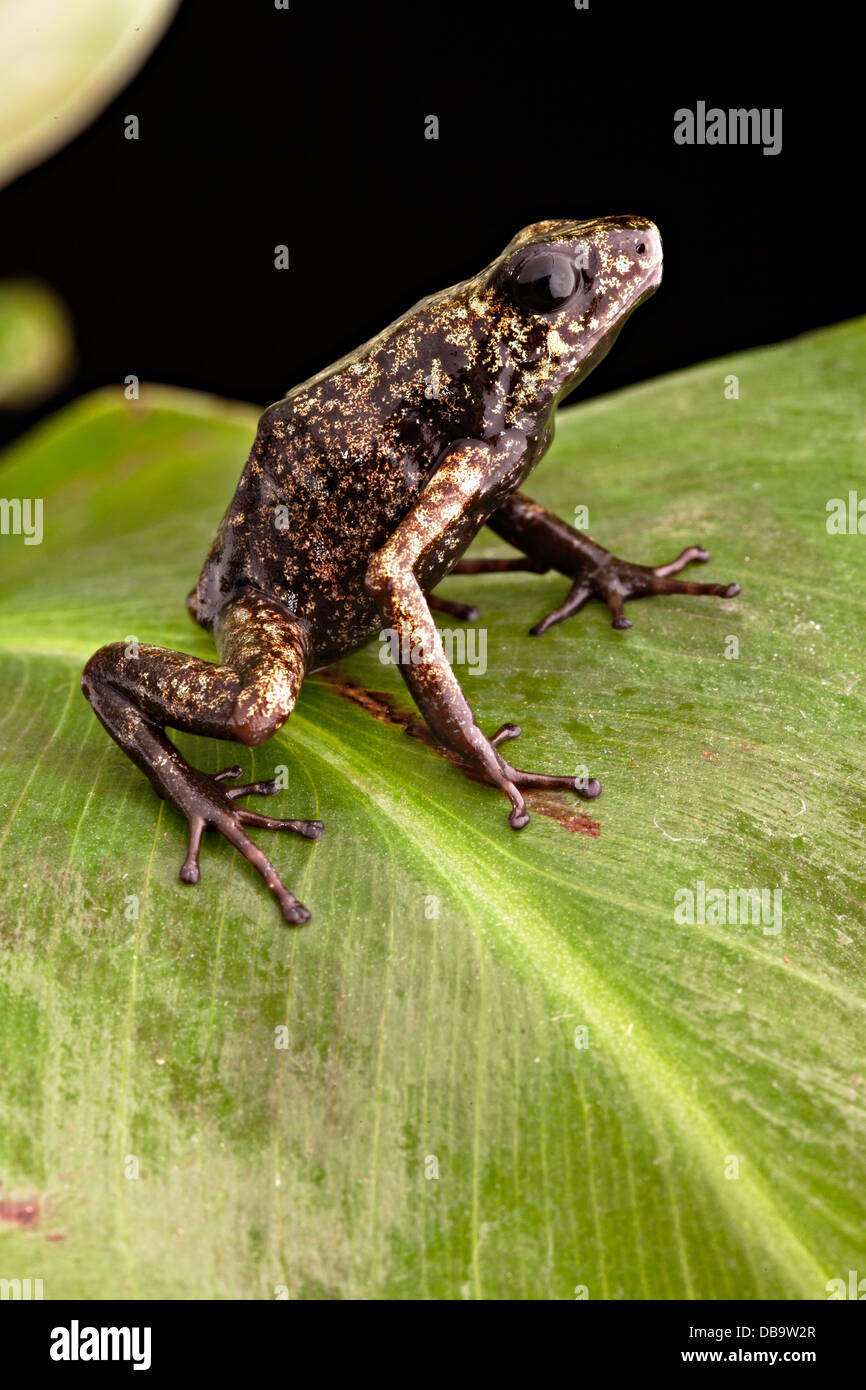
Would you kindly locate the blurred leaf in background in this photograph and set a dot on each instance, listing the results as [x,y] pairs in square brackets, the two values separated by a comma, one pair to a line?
[61,61]
[36,343]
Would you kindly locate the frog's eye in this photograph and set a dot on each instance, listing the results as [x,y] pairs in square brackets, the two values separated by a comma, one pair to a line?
[544,281]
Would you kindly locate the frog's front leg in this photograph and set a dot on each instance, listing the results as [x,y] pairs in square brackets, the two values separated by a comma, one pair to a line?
[462,486]
[550,543]
[265,653]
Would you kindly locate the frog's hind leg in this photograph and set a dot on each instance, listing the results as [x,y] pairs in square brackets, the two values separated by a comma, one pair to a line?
[265,654]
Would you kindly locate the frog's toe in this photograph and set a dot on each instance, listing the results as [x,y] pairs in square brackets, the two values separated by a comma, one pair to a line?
[504,733]
[228,774]
[464,612]
[296,914]
[587,788]
[693,554]
[684,586]
[519,781]
[310,829]
[189,870]
[579,594]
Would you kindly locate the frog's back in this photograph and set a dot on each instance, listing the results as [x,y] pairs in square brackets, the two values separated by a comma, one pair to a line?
[328,479]
[337,465]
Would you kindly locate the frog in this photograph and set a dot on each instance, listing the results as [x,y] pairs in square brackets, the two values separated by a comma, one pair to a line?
[363,489]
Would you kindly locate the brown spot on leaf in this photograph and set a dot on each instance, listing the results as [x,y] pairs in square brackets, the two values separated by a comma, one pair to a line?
[575,822]
[24,1214]
[382,706]
[378,703]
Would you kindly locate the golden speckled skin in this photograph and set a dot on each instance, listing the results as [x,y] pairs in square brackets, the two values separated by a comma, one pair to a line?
[338,463]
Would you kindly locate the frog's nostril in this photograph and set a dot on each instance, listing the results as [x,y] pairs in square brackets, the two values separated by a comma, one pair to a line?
[641,248]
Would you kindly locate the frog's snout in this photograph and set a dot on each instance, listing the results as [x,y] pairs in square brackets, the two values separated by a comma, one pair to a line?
[643,245]
[648,245]
[633,250]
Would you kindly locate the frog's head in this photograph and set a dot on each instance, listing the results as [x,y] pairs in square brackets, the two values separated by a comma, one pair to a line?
[563,290]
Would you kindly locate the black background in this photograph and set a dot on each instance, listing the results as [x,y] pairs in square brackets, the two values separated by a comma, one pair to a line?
[206,1342]
[306,127]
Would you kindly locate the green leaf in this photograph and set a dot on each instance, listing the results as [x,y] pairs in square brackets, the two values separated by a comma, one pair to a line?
[61,63]
[36,343]
[431,1005]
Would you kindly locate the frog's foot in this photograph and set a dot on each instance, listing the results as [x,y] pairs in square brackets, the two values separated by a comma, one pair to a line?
[205,803]
[518,781]
[616,581]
